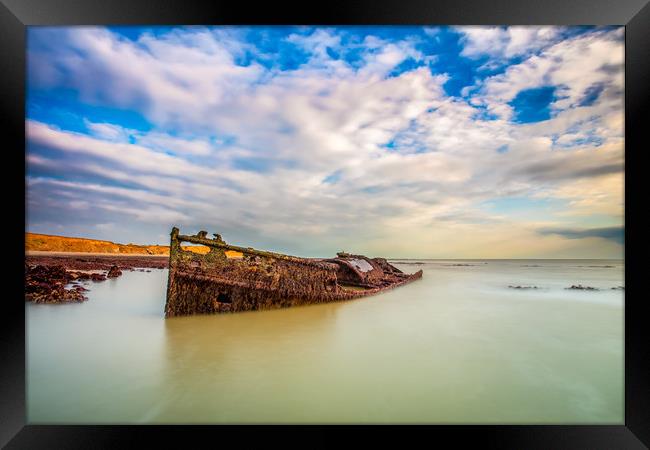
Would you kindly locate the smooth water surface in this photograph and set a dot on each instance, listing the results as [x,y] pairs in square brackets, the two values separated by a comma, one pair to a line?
[458,346]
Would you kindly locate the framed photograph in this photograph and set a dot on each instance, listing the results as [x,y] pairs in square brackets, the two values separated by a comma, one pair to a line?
[374,214]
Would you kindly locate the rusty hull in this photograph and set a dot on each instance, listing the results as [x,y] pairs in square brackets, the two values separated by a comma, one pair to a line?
[218,282]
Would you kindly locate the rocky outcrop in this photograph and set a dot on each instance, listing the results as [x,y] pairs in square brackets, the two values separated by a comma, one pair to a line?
[54,283]
[45,284]
[582,288]
[114,272]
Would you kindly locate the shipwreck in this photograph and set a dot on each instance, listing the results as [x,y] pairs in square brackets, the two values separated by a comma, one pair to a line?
[228,278]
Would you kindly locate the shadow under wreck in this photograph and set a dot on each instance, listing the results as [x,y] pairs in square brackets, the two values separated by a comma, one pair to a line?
[228,278]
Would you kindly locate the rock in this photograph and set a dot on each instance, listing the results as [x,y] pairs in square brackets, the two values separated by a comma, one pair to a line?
[47,276]
[114,272]
[582,288]
[45,284]
[523,287]
[97,276]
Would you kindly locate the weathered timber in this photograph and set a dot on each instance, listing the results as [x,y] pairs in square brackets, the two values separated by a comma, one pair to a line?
[218,282]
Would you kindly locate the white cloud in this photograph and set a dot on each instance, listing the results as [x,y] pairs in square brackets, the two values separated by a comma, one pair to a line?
[247,149]
[572,66]
[107,131]
[505,42]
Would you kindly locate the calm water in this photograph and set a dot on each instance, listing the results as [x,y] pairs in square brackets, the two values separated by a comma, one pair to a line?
[458,346]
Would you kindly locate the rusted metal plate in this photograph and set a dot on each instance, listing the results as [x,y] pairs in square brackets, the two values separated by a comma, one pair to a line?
[214,282]
[361,265]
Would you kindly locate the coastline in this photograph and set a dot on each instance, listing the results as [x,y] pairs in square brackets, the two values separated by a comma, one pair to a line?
[37,253]
[54,277]
[96,261]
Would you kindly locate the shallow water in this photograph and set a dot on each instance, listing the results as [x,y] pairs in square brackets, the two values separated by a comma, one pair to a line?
[458,346]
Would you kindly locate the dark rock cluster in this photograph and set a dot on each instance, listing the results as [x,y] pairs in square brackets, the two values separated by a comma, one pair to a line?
[50,283]
[578,287]
[461,265]
[582,288]
[82,276]
[47,284]
[114,272]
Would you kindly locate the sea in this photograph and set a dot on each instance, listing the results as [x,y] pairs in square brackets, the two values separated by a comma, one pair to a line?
[459,346]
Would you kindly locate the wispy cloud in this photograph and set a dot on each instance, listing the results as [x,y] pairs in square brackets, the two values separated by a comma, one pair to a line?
[615,234]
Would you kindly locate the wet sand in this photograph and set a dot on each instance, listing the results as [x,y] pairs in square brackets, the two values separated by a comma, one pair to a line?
[96,261]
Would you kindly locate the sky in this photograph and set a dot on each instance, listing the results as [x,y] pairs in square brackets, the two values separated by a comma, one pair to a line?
[421,142]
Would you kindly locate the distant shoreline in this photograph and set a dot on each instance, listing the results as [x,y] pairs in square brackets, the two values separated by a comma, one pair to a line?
[100,254]
[96,261]
[148,255]
[506,259]
[50,245]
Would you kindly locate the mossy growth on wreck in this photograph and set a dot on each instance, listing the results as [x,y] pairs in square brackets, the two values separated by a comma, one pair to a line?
[230,278]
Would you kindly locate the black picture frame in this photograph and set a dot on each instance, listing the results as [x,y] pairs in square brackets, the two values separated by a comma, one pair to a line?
[16,15]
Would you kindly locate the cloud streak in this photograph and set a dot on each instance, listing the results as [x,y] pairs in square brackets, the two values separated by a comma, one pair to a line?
[616,234]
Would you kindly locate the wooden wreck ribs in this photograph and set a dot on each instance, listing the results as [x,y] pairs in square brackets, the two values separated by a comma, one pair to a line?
[229,278]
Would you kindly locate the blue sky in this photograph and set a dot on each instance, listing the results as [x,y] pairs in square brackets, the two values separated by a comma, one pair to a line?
[388,140]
